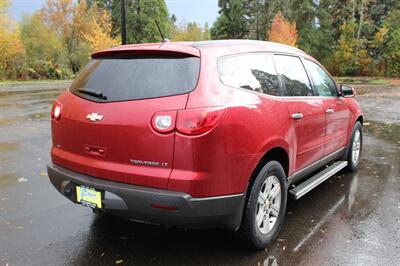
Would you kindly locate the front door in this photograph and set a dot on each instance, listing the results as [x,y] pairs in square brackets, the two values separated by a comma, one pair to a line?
[336,113]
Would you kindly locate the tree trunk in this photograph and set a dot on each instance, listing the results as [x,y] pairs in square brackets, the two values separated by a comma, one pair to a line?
[360,23]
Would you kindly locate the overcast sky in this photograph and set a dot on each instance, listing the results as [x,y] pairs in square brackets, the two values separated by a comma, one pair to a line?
[200,11]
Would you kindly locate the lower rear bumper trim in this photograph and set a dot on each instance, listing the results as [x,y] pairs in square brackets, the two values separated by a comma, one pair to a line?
[136,202]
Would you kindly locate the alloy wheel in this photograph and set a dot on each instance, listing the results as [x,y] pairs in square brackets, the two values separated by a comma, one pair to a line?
[268,204]
[356,147]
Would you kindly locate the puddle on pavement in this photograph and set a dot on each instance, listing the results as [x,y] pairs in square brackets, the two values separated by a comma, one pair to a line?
[8,146]
[45,115]
[10,179]
[23,106]
[386,131]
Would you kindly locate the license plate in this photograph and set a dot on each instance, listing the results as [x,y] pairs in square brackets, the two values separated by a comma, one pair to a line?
[88,197]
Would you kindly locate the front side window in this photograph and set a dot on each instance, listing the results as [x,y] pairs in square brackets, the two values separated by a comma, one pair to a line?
[323,83]
[255,72]
[293,75]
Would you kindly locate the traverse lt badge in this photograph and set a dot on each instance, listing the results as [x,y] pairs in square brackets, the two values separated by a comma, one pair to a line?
[93,117]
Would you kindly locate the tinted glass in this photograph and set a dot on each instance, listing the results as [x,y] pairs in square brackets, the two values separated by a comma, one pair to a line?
[254,72]
[120,79]
[293,75]
[323,84]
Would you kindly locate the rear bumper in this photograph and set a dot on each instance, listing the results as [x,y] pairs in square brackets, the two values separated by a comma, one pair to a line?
[136,202]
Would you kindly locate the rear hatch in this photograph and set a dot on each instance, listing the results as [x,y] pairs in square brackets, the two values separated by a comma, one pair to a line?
[105,125]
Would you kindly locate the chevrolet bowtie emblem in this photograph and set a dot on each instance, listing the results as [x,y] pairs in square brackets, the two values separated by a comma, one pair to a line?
[93,117]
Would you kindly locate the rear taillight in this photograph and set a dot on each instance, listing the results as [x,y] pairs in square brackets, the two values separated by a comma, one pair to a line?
[188,122]
[198,121]
[56,111]
[164,122]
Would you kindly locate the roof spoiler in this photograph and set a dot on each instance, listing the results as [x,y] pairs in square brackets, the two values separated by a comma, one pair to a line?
[149,49]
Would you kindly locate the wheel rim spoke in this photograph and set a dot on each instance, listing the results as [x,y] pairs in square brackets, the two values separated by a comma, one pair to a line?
[266,223]
[268,185]
[275,210]
[260,217]
[260,199]
[276,191]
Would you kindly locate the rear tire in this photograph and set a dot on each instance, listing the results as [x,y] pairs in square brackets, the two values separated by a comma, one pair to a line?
[355,148]
[265,207]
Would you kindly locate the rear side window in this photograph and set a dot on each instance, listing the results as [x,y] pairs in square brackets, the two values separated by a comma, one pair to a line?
[293,74]
[322,82]
[121,79]
[255,72]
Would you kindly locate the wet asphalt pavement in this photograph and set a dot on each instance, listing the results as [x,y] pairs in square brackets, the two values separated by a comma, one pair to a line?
[351,219]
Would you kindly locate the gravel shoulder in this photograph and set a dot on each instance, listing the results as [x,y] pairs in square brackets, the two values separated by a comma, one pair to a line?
[380,103]
[31,86]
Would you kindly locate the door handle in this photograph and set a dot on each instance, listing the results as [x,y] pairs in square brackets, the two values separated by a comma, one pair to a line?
[330,111]
[297,116]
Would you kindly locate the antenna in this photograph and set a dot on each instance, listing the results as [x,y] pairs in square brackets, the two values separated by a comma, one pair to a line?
[159,30]
[123,23]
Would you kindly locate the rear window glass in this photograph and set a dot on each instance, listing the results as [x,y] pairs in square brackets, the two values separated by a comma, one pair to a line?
[121,79]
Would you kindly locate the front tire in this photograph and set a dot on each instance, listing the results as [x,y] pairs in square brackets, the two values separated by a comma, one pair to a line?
[355,147]
[265,207]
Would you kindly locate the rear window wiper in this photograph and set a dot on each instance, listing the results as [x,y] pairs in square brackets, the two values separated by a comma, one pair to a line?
[94,93]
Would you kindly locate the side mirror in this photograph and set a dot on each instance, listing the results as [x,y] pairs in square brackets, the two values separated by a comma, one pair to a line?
[346,91]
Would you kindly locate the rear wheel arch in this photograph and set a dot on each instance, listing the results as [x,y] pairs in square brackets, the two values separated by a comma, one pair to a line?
[278,154]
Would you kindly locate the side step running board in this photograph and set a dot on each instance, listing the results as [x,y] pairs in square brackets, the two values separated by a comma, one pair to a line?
[317,179]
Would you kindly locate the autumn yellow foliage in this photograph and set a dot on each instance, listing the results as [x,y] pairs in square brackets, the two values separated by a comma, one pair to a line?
[350,57]
[57,15]
[11,48]
[282,31]
[98,29]
[54,42]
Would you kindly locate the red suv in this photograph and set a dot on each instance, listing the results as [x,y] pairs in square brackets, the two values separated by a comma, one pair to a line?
[202,134]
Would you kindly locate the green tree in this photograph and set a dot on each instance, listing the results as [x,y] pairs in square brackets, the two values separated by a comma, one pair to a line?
[140,19]
[391,53]
[234,20]
[315,29]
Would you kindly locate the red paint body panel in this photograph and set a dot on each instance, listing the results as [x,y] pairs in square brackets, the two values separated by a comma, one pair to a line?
[218,162]
[125,134]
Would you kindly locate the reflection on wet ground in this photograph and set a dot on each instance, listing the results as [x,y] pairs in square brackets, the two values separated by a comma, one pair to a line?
[351,219]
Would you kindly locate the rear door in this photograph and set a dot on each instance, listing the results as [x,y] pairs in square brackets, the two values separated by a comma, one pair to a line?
[336,113]
[105,127]
[306,111]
